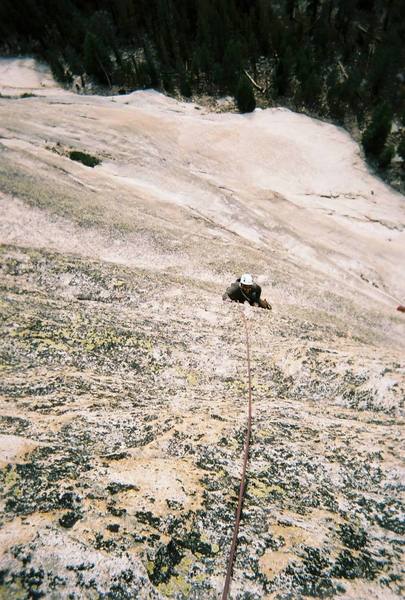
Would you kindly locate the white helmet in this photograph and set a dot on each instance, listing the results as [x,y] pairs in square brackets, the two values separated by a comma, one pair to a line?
[246,279]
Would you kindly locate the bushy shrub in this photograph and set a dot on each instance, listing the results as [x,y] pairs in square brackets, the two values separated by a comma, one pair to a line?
[84,158]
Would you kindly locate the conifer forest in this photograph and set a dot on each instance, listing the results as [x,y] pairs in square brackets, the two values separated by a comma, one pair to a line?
[342,60]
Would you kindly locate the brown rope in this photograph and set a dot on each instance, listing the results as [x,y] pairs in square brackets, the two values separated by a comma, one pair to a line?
[242,486]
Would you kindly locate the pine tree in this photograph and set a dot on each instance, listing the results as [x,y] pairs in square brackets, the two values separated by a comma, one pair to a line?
[376,134]
[213,40]
[335,95]
[263,18]
[151,68]
[58,70]
[168,83]
[124,15]
[401,147]
[344,17]
[245,98]
[218,76]
[232,64]
[312,9]
[283,73]
[290,7]
[96,58]
[311,89]
[185,85]
[308,79]
[367,5]
[386,156]
[74,61]
[353,88]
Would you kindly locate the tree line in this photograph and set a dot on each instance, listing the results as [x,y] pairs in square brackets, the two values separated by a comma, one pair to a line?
[333,58]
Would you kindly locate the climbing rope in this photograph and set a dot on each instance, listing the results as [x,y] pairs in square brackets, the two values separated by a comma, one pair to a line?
[242,486]
[400,306]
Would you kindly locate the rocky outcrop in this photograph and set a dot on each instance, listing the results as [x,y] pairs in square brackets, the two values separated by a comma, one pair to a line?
[123,374]
[136,415]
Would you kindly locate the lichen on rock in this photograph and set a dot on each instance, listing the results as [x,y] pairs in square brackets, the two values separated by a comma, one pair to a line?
[123,374]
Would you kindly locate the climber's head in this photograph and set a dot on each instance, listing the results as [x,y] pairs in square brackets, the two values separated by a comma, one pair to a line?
[246,282]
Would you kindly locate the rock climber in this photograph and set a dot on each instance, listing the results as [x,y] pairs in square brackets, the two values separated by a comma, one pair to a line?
[245,290]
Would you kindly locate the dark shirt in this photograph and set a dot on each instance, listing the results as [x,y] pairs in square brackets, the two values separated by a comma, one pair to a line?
[235,293]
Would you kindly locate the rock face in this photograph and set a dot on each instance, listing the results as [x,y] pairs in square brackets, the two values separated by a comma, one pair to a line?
[124,389]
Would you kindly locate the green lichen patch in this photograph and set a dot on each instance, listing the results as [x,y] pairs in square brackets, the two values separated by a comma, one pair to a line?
[165,561]
[36,485]
[139,412]
[354,538]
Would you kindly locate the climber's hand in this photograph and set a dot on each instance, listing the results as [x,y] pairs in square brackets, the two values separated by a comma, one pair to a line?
[265,304]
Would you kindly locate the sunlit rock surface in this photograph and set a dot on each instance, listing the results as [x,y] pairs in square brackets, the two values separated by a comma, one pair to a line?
[123,374]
